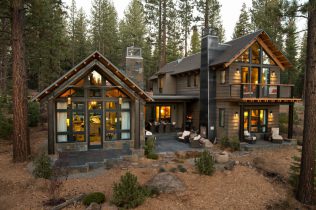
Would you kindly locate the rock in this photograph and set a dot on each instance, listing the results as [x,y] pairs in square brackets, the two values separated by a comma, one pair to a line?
[94,206]
[222,157]
[237,162]
[230,165]
[166,183]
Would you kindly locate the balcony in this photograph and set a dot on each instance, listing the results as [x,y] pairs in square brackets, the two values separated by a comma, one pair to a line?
[262,91]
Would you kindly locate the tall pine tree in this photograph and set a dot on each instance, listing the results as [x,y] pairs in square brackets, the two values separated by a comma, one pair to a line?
[186,17]
[195,41]
[243,26]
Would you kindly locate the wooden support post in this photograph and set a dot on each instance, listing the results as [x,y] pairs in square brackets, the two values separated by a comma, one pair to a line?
[290,121]
[241,123]
[51,126]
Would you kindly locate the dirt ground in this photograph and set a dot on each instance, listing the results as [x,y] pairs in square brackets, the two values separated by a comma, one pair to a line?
[242,188]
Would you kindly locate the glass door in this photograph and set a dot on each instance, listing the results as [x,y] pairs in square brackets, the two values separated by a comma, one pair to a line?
[254,80]
[265,77]
[95,124]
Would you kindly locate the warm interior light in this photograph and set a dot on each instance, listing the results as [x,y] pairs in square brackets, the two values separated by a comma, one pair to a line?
[68,100]
[246,114]
[120,100]
[237,71]
[236,114]
[271,113]
[67,122]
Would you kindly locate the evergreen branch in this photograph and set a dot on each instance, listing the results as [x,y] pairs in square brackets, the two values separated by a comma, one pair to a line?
[297,32]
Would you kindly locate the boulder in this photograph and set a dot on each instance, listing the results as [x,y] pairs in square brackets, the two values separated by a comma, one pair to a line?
[166,183]
[230,165]
[94,206]
[222,157]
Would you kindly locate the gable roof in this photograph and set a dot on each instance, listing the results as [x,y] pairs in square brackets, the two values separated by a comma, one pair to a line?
[97,58]
[232,50]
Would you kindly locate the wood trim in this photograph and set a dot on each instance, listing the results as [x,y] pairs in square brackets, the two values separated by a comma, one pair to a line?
[239,53]
[270,53]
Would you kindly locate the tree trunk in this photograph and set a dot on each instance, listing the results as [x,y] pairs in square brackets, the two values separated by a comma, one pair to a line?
[21,145]
[305,190]
[186,30]
[159,34]
[163,60]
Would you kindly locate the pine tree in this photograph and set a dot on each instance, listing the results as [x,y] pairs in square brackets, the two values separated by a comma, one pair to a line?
[243,26]
[195,41]
[210,13]
[104,30]
[269,16]
[301,67]
[21,143]
[186,18]
[290,76]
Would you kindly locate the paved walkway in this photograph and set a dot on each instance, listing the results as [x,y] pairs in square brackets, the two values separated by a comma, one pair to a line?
[169,143]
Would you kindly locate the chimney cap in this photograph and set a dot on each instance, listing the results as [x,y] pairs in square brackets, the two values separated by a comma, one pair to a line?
[210,31]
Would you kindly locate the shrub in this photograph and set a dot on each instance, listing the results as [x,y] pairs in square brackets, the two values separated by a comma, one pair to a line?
[43,167]
[182,169]
[150,148]
[96,197]
[234,144]
[33,114]
[224,142]
[6,126]
[151,191]
[162,170]
[205,163]
[128,193]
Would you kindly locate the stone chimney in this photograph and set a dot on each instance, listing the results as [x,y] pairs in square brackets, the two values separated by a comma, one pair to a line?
[134,65]
[209,48]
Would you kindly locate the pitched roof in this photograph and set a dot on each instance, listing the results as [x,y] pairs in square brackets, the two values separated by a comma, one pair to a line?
[97,58]
[232,50]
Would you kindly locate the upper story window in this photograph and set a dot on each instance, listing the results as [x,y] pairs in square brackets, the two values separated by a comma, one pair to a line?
[189,80]
[255,55]
[223,77]
[95,79]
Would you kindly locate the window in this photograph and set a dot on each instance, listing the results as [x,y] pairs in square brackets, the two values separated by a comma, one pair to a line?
[70,122]
[117,121]
[163,113]
[189,81]
[255,53]
[244,58]
[256,120]
[221,117]
[266,59]
[195,80]
[223,77]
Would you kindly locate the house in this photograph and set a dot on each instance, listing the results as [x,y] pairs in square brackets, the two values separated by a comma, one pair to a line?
[95,106]
[225,90]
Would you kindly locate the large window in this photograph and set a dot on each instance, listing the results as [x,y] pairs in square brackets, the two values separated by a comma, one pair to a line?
[255,120]
[163,113]
[70,122]
[117,121]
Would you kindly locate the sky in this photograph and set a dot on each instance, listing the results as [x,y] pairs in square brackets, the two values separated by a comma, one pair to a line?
[230,11]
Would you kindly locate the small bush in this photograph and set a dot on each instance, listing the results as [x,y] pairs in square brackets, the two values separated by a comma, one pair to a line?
[43,167]
[234,144]
[33,114]
[162,170]
[182,169]
[96,197]
[205,163]
[151,191]
[6,126]
[224,142]
[149,147]
[128,193]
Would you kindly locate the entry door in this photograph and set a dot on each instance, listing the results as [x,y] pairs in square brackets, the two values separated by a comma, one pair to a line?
[95,130]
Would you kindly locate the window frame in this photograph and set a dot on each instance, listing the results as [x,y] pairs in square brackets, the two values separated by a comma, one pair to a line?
[221,118]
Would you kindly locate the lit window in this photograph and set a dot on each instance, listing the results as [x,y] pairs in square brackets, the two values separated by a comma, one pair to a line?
[163,113]
[223,77]
[255,53]
[266,59]
[244,58]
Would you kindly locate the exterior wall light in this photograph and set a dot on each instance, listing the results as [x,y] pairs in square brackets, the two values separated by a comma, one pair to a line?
[273,74]
[271,113]
[237,71]
[236,114]
[120,100]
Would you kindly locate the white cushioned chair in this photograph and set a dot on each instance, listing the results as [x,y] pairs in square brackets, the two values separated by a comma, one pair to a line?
[276,137]
[249,138]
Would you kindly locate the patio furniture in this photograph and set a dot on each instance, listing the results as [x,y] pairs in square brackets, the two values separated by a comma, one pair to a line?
[195,142]
[185,137]
[276,137]
[249,138]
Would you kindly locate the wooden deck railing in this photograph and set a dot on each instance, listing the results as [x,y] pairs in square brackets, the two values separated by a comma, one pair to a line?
[253,90]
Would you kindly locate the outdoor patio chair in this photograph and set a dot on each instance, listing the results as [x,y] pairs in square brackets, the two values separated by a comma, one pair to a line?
[276,137]
[249,138]
[185,137]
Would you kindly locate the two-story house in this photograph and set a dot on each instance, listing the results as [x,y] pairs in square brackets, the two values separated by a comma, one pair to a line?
[224,90]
